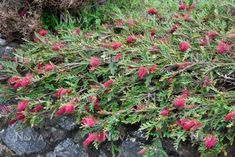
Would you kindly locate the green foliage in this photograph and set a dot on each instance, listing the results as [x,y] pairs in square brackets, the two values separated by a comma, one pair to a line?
[207,75]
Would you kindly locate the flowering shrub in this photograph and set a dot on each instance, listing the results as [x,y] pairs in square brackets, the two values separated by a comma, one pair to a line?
[172,75]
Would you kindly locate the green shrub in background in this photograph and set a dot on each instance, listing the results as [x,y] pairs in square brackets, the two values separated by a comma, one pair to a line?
[166,66]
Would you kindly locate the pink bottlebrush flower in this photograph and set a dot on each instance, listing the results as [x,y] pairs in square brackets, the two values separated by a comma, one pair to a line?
[94,99]
[13,80]
[61,92]
[179,102]
[108,83]
[13,121]
[76,31]
[130,39]
[142,72]
[101,136]
[154,49]
[203,41]
[37,108]
[188,124]
[57,46]
[152,11]
[183,6]
[88,122]
[69,108]
[119,22]
[184,46]
[22,105]
[152,68]
[164,112]
[91,137]
[229,116]
[20,116]
[60,111]
[118,57]
[142,151]
[174,28]
[222,47]
[42,32]
[210,141]
[211,35]
[206,82]
[94,62]
[184,92]
[24,81]
[116,45]
[49,67]
[131,23]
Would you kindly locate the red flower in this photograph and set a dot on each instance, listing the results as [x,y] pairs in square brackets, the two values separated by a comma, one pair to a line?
[76,31]
[174,28]
[13,80]
[210,141]
[61,92]
[179,102]
[142,72]
[60,111]
[91,137]
[94,62]
[142,151]
[22,105]
[152,11]
[108,83]
[183,6]
[88,122]
[10,122]
[152,68]
[222,47]
[118,57]
[130,39]
[26,80]
[154,49]
[37,108]
[184,46]
[131,23]
[20,116]
[49,67]
[57,46]
[188,124]
[206,82]
[43,32]
[116,45]
[164,112]
[119,22]
[69,108]
[229,116]
[203,41]
[100,136]
[184,92]
[212,34]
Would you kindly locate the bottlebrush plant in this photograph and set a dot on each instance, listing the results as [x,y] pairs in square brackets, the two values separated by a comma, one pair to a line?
[105,81]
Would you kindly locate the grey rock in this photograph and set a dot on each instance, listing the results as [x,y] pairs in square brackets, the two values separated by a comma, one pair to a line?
[77,137]
[25,141]
[129,149]
[6,50]
[67,123]
[68,148]
[102,154]
[52,134]
[3,42]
